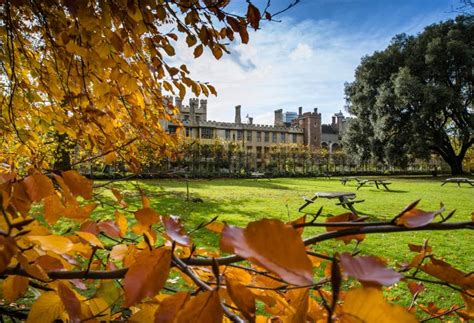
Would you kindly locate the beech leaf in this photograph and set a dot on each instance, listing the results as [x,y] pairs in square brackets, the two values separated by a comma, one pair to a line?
[147,275]
[368,269]
[70,301]
[175,231]
[38,187]
[345,217]
[170,306]
[46,309]
[205,307]
[78,184]
[417,218]
[273,245]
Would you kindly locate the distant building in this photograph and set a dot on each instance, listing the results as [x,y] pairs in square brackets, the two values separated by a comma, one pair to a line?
[289,128]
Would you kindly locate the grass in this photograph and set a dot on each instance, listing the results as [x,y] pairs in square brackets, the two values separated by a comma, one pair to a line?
[240,201]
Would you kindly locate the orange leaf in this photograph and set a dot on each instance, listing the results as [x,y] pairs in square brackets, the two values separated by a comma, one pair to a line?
[175,231]
[121,221]
[110,228]
[368,305]
[273,245]
[368,269]
[38,187]
[119,252]
[215,227]
[78,184]
[242,297]
[70,301]
[345,217]
[14,287]
[205,307]
[417,218]
[300,220]
[53,208]
[147,275]
[20,198]
[146,216]
[47,308]
[198,50]
[170,306]
[33,270]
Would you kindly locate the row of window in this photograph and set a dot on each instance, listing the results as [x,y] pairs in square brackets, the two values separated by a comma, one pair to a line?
[208,133]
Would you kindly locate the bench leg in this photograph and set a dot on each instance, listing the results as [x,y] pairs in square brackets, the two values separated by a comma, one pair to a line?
[377,185]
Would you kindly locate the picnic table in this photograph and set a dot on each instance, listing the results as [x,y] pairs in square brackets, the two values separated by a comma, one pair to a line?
[458,180]
[257,175]
[346,199]
[344,180]
[377,182]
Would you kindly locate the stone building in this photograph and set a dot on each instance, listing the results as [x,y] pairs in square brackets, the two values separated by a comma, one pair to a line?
[289,128]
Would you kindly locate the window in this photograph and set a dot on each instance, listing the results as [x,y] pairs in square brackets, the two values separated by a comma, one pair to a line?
[259,152]
[249,135]
[227,134]
[267,136]
[197,119]
[259,136]
[207,133]
[294,138]
[188,132]
[283,137]
[274,136]
[239,134]
[172,129]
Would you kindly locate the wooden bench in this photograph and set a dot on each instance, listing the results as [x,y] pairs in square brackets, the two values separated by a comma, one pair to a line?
[258,175]
[344,180]
[377,182]
[458,180]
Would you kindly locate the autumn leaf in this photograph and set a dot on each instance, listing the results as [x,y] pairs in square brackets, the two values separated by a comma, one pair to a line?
[445,272]
[146,216]
[57,244]
[14,287]
[242,297]
[46,309]
[53,208]
[300,220]
[147,275]
[7,251]
[253,16]
[203,308]
[175,230]
[273,245]
[110,228]
[33,270]
[38,187]
[90,238]
[121,222]
[20,198]
[198,50]
[78,184]
[417,218]
[368,305]
[368,269]
[70,301]
[345,217]
[217,51]
[170,306]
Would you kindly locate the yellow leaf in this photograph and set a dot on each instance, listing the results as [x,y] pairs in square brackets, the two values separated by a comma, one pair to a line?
[47,308]
[78,184]
[38,187]
[368,305]
[53,243]
[121,221]
[91,239]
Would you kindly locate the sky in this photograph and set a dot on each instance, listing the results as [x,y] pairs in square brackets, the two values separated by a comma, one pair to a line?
[305,59]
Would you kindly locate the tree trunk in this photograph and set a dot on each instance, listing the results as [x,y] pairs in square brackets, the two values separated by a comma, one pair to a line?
[62,155]
[456,165]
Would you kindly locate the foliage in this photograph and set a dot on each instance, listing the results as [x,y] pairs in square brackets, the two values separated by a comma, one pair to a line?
[165,276]
[91,76]
[415,97]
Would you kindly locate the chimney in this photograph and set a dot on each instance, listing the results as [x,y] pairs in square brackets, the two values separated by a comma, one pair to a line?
[315,110]
[238,119]
[333,121]
[279,117]
[250,120]
[300,112]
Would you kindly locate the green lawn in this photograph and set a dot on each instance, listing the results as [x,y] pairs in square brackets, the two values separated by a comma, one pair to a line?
[240,201]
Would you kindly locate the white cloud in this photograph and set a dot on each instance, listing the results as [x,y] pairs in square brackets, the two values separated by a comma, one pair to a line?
[286,65]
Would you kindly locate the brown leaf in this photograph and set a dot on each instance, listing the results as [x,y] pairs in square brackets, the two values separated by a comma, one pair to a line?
[20,198]
[78,184]
[445,272]
[244,35]
[147,275]
[7,251]
[53,208]
[415,288]
[14,287]
[417,218]
[273,245]
[300,220]
[203,308]
[345,217]
[146,216]
[38,186]
[242,297]
[90,238]
[110,228]
[198,50]
[253,16]
[170,306]
[217,51]
[70,301]
[368,269]
[33,270]
[175,231]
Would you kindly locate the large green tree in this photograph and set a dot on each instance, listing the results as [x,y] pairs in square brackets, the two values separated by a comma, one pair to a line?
[416,97]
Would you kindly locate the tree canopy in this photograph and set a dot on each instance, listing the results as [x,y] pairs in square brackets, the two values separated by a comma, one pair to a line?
[416,97]
[94,74]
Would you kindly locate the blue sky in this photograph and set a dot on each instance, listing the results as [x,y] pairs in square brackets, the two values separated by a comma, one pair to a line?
[305,59]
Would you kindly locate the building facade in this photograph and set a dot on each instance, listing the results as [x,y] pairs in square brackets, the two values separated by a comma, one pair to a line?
[289,128]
